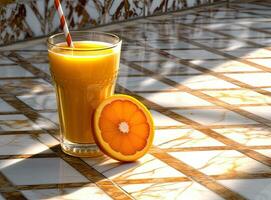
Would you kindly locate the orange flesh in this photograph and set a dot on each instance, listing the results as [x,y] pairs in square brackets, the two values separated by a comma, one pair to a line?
[124,111]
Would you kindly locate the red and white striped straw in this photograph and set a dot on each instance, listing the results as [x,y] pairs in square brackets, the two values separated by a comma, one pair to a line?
[63,23]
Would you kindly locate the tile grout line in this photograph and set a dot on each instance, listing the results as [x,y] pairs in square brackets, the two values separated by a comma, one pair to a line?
[208,71]
[12,193]
[211,133]
[197,126]
[19,60]
[175,149]
[201,95]
[245,26]
[265,160]
[29,156]
[246,113]
[87,171]
[213,148]
[225,176]
[63,156]
[51,186]
[244,10]
[79,165]
[214,126]
[197,176]
[221,53]
[25,132]
[202,90]
[250,153]
[223,34]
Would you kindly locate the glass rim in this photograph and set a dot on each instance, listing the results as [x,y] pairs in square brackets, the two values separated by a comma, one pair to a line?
[112,45]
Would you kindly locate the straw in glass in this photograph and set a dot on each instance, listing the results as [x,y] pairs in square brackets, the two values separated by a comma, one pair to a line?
[63,23]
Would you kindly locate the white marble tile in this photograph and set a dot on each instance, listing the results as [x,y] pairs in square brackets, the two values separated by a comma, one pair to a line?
[163,120]
[202,82]
[26,87]
[266,152]
[253,79]
[125,70]
[228,14]
[145,167]
[247,136]
[252,6]
[139,55]
[47,140]
[45,123]
[261,25]
[246,33]
[14,71]
[260,12]
[168,191]
[5,107]
[263,62]
[191,54]
[198,20]
[134,33]
[39,171]
[221,162]
[22,144]
[177,138]
[102,159]
[4,60]
[250,53]
[179,15]
[142,84]
[168,67]
[267,89]
[16,123]
[19,122]
[252,189]
[43,67]
[262,41]
[131,46]
[199,34]
[171,45]
[239,96]
[224,65]
[109,27]
[225,44]
[35,56]
[53,116]
[40,46]
[262,111]
[175,99]
[215,117]
[40,102]
[83,193]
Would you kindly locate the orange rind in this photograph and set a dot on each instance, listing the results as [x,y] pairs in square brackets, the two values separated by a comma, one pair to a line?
[124,128]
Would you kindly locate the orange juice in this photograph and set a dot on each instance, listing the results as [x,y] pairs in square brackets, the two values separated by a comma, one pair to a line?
[83,78]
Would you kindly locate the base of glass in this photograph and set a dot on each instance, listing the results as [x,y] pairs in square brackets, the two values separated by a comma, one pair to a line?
[80,150]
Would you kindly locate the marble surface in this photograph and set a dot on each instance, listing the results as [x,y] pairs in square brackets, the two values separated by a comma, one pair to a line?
[205,76]
[35,18]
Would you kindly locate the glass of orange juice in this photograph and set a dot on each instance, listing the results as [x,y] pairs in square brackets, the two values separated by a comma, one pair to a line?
[83,76]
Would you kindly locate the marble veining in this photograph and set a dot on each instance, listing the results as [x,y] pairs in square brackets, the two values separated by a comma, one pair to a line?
[204,74]
[38,18]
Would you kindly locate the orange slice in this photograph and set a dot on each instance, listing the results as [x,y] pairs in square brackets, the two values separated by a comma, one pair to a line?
[123,128]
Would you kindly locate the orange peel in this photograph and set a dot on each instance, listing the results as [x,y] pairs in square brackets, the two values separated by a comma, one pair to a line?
[124,128]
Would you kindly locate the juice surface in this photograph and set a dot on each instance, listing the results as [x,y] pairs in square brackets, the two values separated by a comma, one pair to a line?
[83,78]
